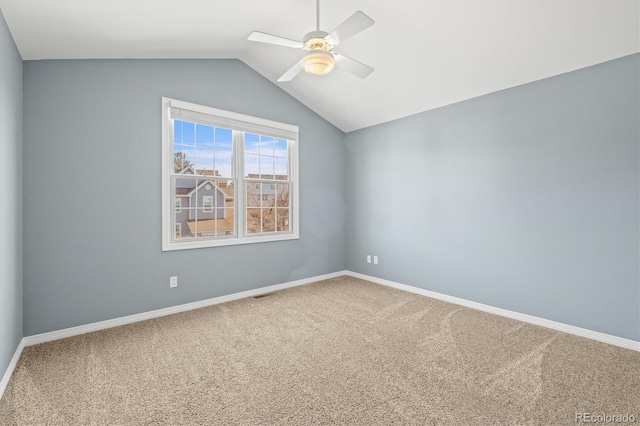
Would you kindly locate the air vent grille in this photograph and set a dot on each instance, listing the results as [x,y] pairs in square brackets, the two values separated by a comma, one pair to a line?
[260,296]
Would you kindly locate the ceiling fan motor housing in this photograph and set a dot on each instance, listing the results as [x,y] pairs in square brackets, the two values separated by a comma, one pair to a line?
[316,40]
[318,60]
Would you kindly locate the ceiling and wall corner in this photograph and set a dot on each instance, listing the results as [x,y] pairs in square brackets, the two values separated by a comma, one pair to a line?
[427,54]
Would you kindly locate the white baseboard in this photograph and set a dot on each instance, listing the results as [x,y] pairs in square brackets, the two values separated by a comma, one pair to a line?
[12,366]
[583,332]
[87,328]
[74,331]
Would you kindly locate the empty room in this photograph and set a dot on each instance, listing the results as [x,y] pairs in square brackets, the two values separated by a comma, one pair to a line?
[319,212]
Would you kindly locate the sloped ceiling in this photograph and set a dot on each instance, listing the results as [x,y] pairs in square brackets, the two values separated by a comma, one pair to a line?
[426,54]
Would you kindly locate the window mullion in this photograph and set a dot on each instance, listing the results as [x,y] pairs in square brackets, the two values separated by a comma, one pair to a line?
[241,191]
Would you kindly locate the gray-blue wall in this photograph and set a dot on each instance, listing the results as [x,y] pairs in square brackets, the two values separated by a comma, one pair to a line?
[92,209]
[10,197]
[525,199]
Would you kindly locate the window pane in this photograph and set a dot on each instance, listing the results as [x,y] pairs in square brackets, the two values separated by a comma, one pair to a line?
[177,132]
[281,171]
[254,221]
[268,220]
[183,191]
[253,194]
[282,220]
[281,148]
[223,139]
[223,163]
[251,143]
[203,227]
[266,167]
[226,224]
[188,133]
[183,157]
[266,145]
[184,186]
[204,159]
[204,135]
[178,231]
[268,194]
[282,195]
[223,160]
[251,166]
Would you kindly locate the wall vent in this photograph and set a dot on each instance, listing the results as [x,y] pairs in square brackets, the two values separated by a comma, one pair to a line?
[260,296]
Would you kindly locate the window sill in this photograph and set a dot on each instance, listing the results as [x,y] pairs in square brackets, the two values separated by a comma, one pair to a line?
[227,242]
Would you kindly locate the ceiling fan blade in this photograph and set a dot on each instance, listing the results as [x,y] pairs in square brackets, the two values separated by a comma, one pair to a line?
[272,39]
[352,26]
[292,72]
[353,66]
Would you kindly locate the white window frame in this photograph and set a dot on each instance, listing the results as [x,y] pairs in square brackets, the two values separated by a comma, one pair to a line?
[178,205]
[170,243]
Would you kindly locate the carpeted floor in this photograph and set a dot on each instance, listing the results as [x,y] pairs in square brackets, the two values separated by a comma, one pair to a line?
[341,351]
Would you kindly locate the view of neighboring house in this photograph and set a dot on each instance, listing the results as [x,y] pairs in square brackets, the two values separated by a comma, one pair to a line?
[266,191]
[267,204]
[203,207]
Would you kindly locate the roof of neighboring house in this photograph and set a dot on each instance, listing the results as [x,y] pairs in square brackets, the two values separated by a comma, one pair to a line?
[270,177]
[209,225]
[186,169]
[227,190]
[204,172]
[200,172]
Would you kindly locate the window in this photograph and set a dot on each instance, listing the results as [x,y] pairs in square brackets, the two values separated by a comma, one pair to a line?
[233,178]
[207,203]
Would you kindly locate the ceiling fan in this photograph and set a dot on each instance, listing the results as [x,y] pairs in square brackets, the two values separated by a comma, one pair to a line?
[320,57]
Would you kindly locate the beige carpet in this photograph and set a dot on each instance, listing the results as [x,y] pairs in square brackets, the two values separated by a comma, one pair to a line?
[341,351]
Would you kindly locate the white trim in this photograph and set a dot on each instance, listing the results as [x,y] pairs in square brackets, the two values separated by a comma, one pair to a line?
[232,115]
[168,216]
[294,189]
[82,329]
[566,328]
[12,366]
[240,236]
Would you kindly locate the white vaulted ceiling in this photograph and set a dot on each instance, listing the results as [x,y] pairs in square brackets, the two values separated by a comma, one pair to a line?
[426,54]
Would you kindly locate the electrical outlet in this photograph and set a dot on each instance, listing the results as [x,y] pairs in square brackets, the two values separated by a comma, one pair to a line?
[375,260]
[368,258]
[173,282]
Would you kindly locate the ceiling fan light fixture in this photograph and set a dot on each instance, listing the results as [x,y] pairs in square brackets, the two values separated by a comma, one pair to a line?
[318,62]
